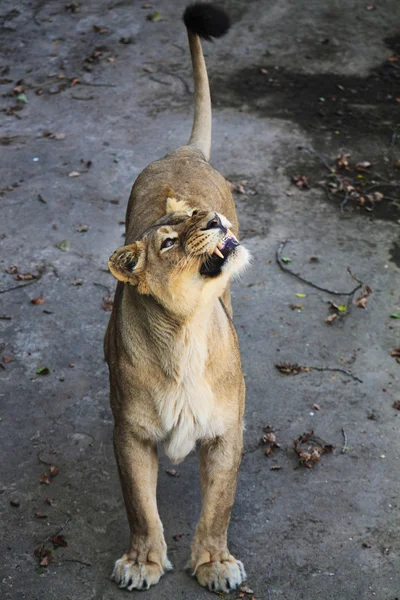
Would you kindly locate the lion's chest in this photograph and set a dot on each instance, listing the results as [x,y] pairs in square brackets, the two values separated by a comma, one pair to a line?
[187,406]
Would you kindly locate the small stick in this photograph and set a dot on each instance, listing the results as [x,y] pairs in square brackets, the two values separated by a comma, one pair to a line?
[345,446]
[338,370]
[282,265]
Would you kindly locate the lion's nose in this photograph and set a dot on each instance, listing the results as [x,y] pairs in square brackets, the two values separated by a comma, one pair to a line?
[214,223]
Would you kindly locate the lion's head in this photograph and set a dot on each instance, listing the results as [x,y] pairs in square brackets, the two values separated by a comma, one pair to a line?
[186,258]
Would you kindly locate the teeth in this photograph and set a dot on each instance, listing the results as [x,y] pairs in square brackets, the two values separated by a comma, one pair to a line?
[230,234]
[220,245]
[218,253]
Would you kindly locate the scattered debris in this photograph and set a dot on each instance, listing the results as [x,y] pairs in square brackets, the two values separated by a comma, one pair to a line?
[275,468]
[395,316]
[7,358]
[356,182]
[310,448]
[82,228]
[40,300]
[15,503]
[45,555]
[396,404]
[316,406]
[178,536]
[74,174]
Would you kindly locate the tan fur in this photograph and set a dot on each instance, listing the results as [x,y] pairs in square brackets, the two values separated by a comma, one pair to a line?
[173,356]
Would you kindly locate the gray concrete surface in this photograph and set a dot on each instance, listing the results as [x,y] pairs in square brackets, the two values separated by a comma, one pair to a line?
[328,533]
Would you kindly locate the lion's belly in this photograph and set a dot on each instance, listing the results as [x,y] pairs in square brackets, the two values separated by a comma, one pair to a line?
[188,413]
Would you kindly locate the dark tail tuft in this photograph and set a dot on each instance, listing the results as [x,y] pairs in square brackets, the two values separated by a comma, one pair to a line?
[207,20]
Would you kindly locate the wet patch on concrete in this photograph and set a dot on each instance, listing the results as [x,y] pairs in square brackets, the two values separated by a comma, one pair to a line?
[321,102]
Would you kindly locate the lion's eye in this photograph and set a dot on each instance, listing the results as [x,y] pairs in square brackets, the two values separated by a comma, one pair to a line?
[195,212]
[168,242]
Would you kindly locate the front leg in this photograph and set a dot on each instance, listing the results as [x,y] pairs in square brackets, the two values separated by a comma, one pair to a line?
[146,560]
[211,561]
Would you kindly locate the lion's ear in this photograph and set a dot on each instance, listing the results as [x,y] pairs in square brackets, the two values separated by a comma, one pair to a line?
[174,205]
[125,263]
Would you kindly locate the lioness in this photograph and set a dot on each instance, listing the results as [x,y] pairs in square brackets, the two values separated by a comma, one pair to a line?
[171,346]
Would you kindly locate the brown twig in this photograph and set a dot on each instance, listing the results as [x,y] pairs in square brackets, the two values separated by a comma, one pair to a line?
[282,265]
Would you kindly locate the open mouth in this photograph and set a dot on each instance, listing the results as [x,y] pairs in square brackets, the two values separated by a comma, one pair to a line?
[213,264]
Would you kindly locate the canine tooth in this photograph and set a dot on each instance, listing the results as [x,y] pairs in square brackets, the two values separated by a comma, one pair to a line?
[220,245]
[230,234]
[218,253]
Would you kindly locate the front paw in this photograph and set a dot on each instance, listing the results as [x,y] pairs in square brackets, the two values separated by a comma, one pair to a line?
[221,576]
[131,574]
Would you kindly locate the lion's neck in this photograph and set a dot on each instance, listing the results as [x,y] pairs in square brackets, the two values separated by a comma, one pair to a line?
[180,344]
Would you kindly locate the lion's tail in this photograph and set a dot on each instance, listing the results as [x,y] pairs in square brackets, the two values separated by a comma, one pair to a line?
[202,20]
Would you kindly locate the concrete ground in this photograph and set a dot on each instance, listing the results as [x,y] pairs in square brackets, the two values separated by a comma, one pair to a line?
[294,84]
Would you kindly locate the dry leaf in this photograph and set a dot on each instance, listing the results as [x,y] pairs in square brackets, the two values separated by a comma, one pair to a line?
[342,161]
[310,448]
[54,470]
[59,541]
[44,478]
[291,368]
[301,181]
[38,300]
[362,166]
[7,358]
[361,301]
